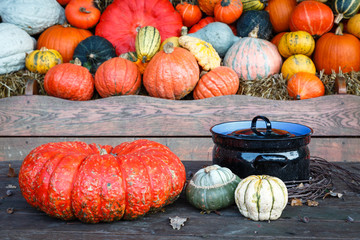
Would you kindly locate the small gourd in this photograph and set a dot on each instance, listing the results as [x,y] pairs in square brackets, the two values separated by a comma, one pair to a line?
[298,42]
[205,54]
[304,85]
[253,4]
[212,188]
[42,60]
[353,25]
[345,9]
[297,63]
[147,43]
[261,197]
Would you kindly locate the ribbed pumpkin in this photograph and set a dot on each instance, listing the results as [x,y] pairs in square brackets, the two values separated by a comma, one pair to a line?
[147,43]
[298,42]
[204,52]
[353,25]
[62,38]
[212,188]
[42,60]
[304,85]
[345,9]
[202,23]
[99,183]
[228,11]
[297,63]
[253,4]
[121,20]
[253,58]
[337,50]
[190,13]
[172,73]
[82,13]
[261,197]
[93,51]
[280,12]
[207,6]
[117,76]
[220,81]
[313,17]
[69,81]
[254,18]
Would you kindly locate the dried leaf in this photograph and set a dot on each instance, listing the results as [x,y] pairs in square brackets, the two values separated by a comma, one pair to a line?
[177,222]
[312,203]
[11,172]
[333,194]
[296,202]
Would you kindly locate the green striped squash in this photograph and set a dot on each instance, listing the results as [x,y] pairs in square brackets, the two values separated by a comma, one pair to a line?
[345,9]
[147,43]
[261,197]
[253,5]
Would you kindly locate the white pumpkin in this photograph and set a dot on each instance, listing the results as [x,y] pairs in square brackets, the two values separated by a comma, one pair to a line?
[14,44]
[33,16]
[261,197]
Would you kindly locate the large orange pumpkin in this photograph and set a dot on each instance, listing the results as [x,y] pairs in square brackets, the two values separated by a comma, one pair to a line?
[117,76]
[62,38]
[280,12]
[337,50]
[172,73]
[95,183]
[304,85]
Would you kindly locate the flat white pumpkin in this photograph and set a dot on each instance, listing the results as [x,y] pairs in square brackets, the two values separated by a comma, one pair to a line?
[15,43]
[261,197]
[33,16]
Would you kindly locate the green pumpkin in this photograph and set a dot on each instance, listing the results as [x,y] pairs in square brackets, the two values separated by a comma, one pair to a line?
[93,51]
[345,9]
[254,18]
[212,188]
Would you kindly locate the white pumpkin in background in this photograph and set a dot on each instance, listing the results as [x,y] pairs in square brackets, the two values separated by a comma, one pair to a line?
[14,44]
[33,16]
[261,197]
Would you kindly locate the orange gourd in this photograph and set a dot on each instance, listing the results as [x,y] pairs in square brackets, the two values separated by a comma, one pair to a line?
[190,13]
[228,11]
[304,85]
[82,13]
[280,12]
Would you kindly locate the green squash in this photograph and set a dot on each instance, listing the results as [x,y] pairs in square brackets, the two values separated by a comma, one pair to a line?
[212,188]
[253,4]
[147,43]
[93,51]
[250,19]
[345,9]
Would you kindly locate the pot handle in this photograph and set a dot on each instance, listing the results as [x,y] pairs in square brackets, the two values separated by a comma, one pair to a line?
[268,158]
[268,126]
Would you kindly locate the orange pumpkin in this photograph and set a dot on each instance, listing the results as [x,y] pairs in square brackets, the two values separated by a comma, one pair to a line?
[207,6]
[220,81]
[276,39]
[202,23]
[337,50]
[190,13]
[280,12]
[172,73]
[304,85]
[117,76]
[62,38]
[82,13]
[228,11]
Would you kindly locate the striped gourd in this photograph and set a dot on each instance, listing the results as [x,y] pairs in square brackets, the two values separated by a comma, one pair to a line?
[345,9]
[42,60]
[253,58]
[298,42]
[253,5]
[147,43]
[261,197]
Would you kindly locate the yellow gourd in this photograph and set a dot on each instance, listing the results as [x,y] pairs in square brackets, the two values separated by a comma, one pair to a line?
[42,60]
[298,42]
[147,43]
[297,63]
[353,25]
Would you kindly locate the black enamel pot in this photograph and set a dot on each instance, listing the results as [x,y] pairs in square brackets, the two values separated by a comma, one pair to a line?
[256,147]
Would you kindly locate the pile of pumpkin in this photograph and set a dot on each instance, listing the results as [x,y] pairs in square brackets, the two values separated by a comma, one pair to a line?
[199,47]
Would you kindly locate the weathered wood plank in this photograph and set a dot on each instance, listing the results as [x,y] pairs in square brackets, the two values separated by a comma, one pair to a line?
[333,115]
[186,148]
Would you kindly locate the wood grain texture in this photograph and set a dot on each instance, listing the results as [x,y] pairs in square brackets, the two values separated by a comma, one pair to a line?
[333,115]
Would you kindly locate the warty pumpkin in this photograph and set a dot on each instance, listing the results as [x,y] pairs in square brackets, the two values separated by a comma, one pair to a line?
[345,9]
[63,38]
[212,188]
[298,42]
[190,12]
[220,81]
[304,85]
[120,26]
[100,183]
[297,63]
[42,60]
[147,43]
[228,11]
[172,73]
[261,197]
[280,12]
[69,81]
[82,13]
[117,76]
[337,50]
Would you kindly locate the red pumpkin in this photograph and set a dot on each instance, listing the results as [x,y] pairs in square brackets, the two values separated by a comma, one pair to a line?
[172,73]
[95,183]
[82,13]
[69,81]
[63,2]
[117,76]
[202,23]
[337,50]
[62,38]
[190,13]
[304,85]
[313,17]
[122,19]
[220,81]
[280,12]
[228,11]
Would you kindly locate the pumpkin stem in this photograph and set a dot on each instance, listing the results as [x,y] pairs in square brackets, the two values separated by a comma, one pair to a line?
[210,168]
[103,151]
[184,31]
[225,3]
[83,10]
[339,31]
[43,49]
[254,32]
[338,18]
[143,60]
[203,73]
[77,62]
[168,47]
